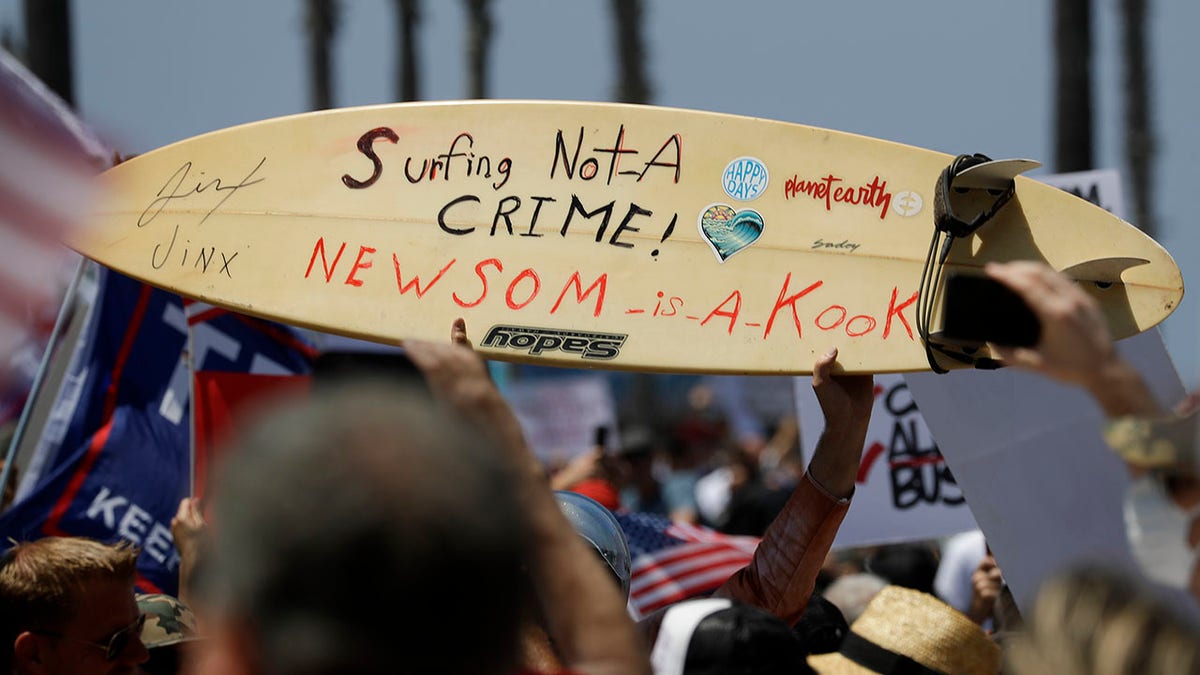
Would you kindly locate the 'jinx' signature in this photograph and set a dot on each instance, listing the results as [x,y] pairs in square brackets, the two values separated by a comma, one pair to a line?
[174,189]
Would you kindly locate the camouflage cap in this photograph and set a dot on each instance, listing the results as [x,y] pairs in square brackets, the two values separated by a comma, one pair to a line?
[168,621]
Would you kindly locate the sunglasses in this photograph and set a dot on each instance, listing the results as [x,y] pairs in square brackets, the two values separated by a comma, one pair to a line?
[114,645]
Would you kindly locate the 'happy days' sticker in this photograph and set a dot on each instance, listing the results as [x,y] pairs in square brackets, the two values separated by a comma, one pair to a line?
[745,179]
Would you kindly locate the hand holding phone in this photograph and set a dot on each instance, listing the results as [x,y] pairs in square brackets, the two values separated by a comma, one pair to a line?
[981,309]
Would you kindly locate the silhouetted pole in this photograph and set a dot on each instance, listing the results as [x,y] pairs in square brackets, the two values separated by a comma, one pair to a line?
[632,84]
[1140,146]
[321,23]
[1073,85]
[48,45]
[479,41]
[408,83]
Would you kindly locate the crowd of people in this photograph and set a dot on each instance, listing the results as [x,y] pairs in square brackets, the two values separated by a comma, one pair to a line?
[374,528]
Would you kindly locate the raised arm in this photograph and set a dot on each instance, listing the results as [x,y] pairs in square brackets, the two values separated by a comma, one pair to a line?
[585,612]
[783,573]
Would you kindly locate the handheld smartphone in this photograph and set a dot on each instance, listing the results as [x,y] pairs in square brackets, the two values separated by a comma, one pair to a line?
[981,309]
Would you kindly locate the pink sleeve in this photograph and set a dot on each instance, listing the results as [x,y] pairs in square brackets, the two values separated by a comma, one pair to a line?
[783,573]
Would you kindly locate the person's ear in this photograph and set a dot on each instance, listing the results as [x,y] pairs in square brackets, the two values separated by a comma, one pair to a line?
[29,653]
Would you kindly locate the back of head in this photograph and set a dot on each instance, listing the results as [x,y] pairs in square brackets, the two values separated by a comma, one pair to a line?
[822,626]
[909,565]
[853,592]
[720,637]
[365,530]
[1091,620]
[41,582]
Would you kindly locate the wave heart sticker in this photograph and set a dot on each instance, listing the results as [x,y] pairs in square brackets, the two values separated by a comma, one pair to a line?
[728,231]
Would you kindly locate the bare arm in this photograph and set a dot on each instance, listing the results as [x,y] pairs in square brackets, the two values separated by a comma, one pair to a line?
[584,609]
[188,529]
[783,573]
[846,402]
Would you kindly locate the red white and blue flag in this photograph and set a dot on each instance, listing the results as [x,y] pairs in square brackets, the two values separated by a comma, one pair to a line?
[48,159]
[114,457]
[677,561]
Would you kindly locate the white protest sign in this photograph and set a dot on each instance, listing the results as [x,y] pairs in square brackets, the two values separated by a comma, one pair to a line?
[1101,187]
[1028,453]
[560,414]
[904,490]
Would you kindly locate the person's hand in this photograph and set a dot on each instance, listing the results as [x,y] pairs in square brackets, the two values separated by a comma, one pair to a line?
[1075,345]
[589,464]
[986,584]
[846,400]
[458,378]
[188,526]
[455,374]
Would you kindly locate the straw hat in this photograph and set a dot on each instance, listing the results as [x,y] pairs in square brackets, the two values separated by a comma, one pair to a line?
[907,631]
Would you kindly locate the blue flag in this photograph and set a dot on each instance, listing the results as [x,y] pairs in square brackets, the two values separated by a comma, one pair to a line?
[116,452]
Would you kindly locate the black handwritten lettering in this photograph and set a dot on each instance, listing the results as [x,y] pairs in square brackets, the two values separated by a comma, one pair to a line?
[669,155]
[506,213]
[458,161]
[366,144]
[634,210]
[166,256]
[577,205]
[536,211]
[179,187]
[225,263]
[675,141]
[617,149]
[442,215]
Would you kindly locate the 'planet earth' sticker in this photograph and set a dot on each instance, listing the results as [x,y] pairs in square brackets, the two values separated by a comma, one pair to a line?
[728,231]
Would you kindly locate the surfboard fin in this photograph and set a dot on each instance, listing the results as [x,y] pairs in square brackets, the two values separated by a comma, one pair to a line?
[972,189]
[1103,272]
[996,174]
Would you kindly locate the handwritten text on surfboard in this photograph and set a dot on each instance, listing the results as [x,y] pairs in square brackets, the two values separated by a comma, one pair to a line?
[570,161]
[470,286]
[200,191]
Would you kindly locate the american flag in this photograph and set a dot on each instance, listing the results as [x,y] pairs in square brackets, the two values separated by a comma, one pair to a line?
[47,163]
[675,561]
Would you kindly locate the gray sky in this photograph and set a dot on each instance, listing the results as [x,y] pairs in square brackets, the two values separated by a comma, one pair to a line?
[950,75]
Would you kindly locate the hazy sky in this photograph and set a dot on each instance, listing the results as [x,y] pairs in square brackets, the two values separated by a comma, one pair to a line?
[945,74]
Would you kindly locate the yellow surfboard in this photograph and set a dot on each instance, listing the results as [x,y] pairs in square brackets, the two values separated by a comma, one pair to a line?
[589,235]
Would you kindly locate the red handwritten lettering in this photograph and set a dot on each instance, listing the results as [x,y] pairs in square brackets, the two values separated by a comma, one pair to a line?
[601,283]
[789,301]
[415,283]
[898,311]
[537,286]
[835,324]
[736,298]
[483,279]
[872,194]
[359,264]
[320,247]
[858,333]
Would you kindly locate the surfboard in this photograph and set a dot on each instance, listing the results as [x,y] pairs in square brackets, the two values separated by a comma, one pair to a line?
[590,235]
